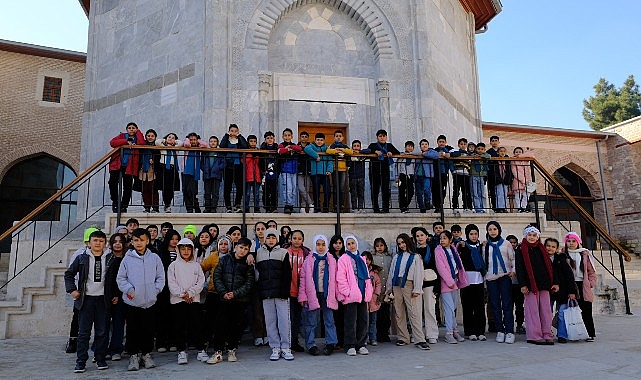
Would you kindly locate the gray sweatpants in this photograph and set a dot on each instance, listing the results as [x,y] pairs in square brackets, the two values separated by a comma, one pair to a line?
[277,322]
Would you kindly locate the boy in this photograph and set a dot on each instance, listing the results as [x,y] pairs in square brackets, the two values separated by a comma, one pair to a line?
[269,166]
[233,173]
[140,278]
[405,178]
[478,174]
[190,232]
[379,170]
[441,176]
[338,148]
[213,165]
[252,176]
[164,228]
[321,169]
[190,172]
[132,224]
[154,243]
[424,169]
[356,174]
[461,178]
[491,182]
[457,234]
[288,169]
[303,175]
[274,280]
[91,299]
[233,280]
[125,167]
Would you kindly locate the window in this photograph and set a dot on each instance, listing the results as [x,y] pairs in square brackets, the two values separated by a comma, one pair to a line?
[52,89]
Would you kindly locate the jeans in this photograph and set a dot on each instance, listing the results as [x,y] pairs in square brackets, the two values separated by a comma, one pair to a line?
[449,309]
[357,193]
[311,318]
[287,185]
[233,175]
[319,180]
[439,189]
[371,331]
[355,325]
[93,312]
[461,184]
[190,192]
[303,189]
[499,294]
[423,192]
[379,174]
[252,191]
[212,193]
[341,178]
[562,331]
[500,190]
[478,192]
[270,194]
[117,328]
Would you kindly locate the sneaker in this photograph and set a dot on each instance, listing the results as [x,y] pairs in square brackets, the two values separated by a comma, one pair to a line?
[216,358]
[237,209]
[79,368]
[102,365]
[482,338]
[509,338]
[155,210]
[162,350]
[148,362]
[328,349]
[520,329]
[134,363]
[286,353]
[288,210]
[182,357]
[423,345]
[458,337]
[562,340]
[374,343]
[432,340]
[167,209]
[449,338]
[72,346]
[258,342]
[363,351]
[500,337]
[275,354]
[473,338]
[116,357]
[147,210]
[231,355]
[202,356]
[107,357]
[313,350]
[173,349]
[400,343]
[229,211]
[590,339]
[351,352]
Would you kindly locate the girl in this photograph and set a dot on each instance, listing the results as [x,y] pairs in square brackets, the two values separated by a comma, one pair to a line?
[502,179]
[517,296]
[317,294]
[234,234]
[383,259]
[212,299]
[522,176]
[150,159]
[472,296]
[164,329]
[499,266]
[214,230]
[354,291]
[453,278]
[167,175]
[117,244]
[564,278]
[406,281]
[337,249]
[297,253]
[534,271]
[431,284]
[213,164]
[203,246]
[375,304]
[185,280]
[259,331]
[285,238]
[585,277]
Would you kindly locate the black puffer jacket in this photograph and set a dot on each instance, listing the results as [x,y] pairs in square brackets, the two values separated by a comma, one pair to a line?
[564,278]
[274,272]
[234,275]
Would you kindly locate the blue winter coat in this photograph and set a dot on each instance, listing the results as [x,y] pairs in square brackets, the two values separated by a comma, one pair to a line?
[213,164]
[325,165]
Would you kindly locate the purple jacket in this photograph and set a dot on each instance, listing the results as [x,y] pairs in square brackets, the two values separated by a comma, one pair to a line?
[307,288]
[449,284]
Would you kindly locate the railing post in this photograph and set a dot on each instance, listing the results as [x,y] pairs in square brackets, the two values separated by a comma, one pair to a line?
[625,284]
[337,198]
[119,202]
[536,203]
[244,201]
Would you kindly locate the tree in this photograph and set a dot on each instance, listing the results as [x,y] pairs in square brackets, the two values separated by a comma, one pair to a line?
[610,105]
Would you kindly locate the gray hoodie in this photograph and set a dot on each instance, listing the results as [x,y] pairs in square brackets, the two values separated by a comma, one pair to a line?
[143,274]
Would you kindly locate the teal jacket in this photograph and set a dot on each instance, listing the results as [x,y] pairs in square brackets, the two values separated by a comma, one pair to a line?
[326,163]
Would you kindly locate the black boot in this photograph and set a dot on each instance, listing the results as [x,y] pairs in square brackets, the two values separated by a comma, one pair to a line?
[72,346]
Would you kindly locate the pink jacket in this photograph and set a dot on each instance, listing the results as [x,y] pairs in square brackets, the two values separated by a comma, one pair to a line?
[347,283]
[448,284]
[521,172]
[589,276]
[307,288]
[375,303]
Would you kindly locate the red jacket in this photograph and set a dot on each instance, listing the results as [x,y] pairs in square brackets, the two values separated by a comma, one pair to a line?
[134,161]
[252,168]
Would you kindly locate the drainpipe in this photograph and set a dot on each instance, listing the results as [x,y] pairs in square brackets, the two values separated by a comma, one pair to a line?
[605,196]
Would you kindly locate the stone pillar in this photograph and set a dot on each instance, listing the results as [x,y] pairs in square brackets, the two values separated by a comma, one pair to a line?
[382,91]
[264,95]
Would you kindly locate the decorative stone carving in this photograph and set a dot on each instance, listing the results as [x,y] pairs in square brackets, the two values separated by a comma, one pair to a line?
[382,89]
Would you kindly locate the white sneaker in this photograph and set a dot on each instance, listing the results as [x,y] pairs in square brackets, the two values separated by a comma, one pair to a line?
[500,337]
[202,356]
[482,338]
[473,337]
[351,352]
[286,353]
[148,362]
[275,354]
[458,337]
[116,357]
[168,209]
[216,358]
[258,342]
[182,357]
[363,351]
[509,338]
[134,363]
[432,340]
[173,349]
[162,350]
[231,355]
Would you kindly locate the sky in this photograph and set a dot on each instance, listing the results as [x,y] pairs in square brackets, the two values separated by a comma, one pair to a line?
[537,61]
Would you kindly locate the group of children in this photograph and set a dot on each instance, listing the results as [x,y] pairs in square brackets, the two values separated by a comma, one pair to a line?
[196,289]
[293,167]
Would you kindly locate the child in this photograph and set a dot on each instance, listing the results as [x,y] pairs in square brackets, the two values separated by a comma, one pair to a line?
[92,297]
[478,175]
[356,174]
[522,175]
[457,234]
[354,290]
[534,271]
[164,328]
[461,177]
[405,178]
[164,228]
[517,296]
[337,250]
[499,265]
[585,277]
[117,309]
[472,295]
[491,185]
[190,172]
[190,232]
[453,278]
[431,284]
[212,298]
[338,148]
[203,245]
[132,224]
[154,244]
[233,278]
[285,238]
[439,184]
[303,175]
[168,175]
[322,168]
[375,304]
[297,253]
[317,294]
[186,280]
[564,279]
[253,177]
[406,283]
[379,170]
[258,328]
[269,166]
[150,160]
[212,166]
[288,170]
[424,170]
[502,179]
[274,281]
[124,167]
[141,278]
[233,174]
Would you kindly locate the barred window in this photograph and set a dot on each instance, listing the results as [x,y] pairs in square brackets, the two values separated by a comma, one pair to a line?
[52,89]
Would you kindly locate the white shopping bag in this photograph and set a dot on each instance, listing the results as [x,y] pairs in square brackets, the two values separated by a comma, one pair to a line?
[574,322]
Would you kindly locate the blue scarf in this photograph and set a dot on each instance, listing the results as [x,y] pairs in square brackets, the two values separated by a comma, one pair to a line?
[399,258]
[318,258]
[171,154]
[146,157]
[428,255]
[452,251]
[383,156]
[496,256]
[126,153]
[476,257]
[362,274]
[192,164]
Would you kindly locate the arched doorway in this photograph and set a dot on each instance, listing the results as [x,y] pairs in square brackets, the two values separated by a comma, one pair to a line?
[27,185]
